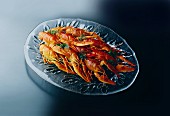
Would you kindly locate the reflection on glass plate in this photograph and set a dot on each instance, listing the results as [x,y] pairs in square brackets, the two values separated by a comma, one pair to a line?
[74,83]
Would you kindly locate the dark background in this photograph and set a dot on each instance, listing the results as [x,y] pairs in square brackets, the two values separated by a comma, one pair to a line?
[144,24]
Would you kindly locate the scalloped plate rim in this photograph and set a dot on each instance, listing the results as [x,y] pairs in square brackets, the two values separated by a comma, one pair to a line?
[46,77]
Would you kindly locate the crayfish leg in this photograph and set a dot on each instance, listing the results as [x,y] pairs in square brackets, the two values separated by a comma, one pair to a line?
[86,71]
[66,63]
[77,67]
[63,67]
[52,57]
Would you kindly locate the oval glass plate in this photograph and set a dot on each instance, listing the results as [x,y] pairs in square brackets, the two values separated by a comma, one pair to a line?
[74,83]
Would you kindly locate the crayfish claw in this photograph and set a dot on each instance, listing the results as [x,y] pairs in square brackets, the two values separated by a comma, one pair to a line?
[124,68]
[125,60]
[110,67]
[103,78]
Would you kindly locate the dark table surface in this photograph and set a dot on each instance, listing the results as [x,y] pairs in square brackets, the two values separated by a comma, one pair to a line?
[143,24]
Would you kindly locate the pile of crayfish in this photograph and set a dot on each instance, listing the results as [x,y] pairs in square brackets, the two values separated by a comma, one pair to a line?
[78,51]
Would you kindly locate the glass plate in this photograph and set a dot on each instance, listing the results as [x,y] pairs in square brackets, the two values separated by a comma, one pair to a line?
[74,83]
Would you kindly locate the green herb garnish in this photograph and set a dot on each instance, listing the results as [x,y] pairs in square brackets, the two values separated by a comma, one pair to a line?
[82,55]
[58,44]
[53,32]
[111,62]
[81,37]
[112,53]
[63,45]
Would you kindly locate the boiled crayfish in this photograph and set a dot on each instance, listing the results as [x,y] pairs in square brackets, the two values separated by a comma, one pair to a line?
[77,51]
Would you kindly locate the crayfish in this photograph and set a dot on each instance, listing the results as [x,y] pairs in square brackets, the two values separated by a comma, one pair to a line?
[77,51]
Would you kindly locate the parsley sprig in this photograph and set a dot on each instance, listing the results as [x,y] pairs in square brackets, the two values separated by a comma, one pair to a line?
[63,45]
[82,55]
[82,37]
[113,54]
[53,32]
